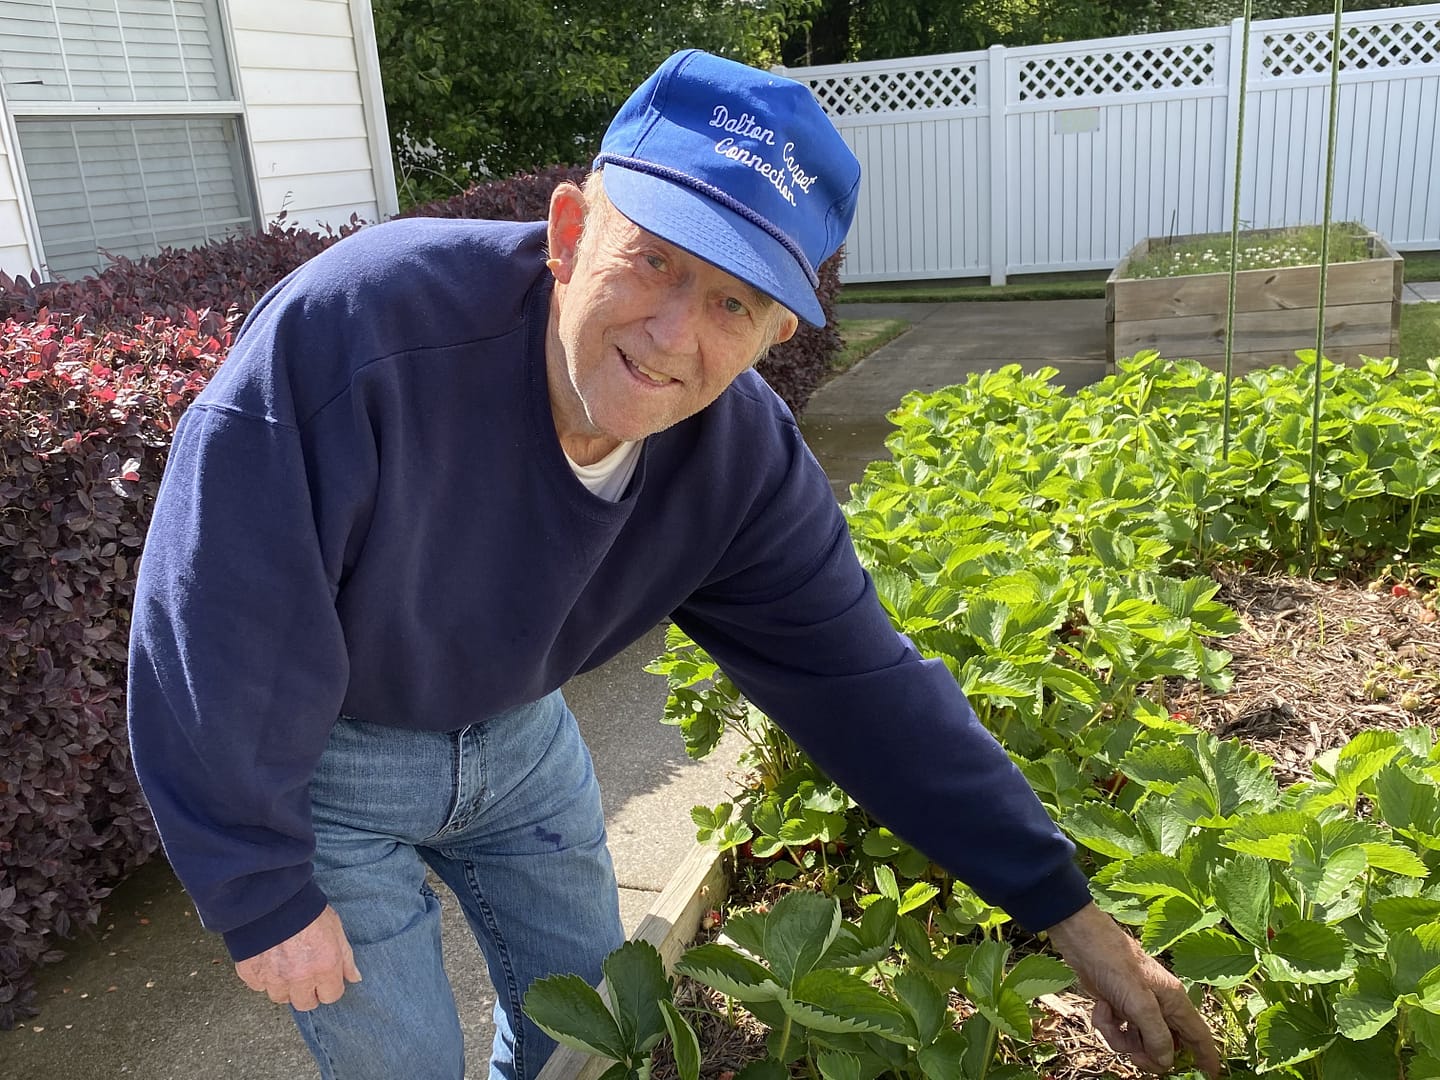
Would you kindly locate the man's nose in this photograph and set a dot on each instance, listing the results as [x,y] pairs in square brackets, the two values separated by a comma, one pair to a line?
[675,328]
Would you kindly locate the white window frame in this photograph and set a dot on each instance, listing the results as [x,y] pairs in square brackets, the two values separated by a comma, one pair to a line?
[232,108]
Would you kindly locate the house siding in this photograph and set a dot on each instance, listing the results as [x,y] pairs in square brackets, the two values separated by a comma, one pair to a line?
[14,251]
[305,110]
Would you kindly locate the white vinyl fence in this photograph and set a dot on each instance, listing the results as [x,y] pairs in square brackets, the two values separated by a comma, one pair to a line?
[1062,157]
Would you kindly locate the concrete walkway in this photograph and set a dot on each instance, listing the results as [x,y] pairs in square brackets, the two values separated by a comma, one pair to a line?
[845,423]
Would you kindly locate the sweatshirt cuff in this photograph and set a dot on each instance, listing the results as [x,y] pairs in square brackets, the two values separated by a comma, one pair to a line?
[279,925]
[1050,900]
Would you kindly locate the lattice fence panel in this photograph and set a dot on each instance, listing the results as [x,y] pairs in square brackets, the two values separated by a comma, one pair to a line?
[1145,68]
[1371,47]
[952,86]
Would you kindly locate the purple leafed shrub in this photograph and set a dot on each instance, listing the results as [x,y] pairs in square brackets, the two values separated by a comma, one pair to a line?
[796,368]
[230,273]
[84,423]
[525,197]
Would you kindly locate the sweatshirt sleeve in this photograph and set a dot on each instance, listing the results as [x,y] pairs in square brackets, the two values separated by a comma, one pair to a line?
[237,671]
[794,620]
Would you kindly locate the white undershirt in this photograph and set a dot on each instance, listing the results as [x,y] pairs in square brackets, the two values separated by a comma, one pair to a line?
[608,477]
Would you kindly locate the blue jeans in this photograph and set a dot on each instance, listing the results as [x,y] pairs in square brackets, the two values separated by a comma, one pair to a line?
[507,813]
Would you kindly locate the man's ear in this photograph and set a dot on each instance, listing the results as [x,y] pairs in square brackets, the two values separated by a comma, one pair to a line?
[788,325]
[566,223]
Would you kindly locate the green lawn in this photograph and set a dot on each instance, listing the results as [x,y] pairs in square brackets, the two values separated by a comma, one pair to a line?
[861,337]
[1419,334]
[1419,266]
[1422,266]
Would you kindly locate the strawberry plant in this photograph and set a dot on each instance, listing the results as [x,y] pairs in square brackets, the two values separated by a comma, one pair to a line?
[641,1012]
[1052,551]
[1315,928]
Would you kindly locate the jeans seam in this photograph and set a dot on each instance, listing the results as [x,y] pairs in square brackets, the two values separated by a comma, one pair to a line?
[327,1066]
[502,950]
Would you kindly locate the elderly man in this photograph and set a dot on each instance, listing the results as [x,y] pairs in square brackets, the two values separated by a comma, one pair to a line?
[449,465]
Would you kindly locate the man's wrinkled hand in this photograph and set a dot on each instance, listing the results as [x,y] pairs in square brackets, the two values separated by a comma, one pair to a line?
[306,970]
[1140,1008]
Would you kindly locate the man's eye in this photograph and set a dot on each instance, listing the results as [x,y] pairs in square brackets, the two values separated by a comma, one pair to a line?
[735,307]
[656,262]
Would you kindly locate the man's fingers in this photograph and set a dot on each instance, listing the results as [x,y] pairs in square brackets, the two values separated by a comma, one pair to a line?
[329,991]
[352,973]
[1117,1036]
[304,1000]
[278,994]
[249,980]
[1124,1036]
[1194,1033]
[1155,1034]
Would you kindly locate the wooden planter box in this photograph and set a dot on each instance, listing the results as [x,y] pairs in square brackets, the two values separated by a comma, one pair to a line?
[1275,310]
[698,884]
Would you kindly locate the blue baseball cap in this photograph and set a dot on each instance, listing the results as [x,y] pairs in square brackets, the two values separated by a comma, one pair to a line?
[737,166]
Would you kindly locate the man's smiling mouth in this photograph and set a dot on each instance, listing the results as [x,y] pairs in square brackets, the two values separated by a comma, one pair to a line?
[651,376]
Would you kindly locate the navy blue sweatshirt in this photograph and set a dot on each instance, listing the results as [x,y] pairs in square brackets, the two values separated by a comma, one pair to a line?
[367,512]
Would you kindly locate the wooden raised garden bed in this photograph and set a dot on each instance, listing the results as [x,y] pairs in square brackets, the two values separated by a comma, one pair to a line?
[698,885]
[1183,317]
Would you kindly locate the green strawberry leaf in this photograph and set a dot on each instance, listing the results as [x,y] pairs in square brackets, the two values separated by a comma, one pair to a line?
[798,930]
[1412,954]
[1037,974]
[1396,858]
[1365,1006]
[571,1012]
[1154,875]
[1287,1032]
[837,1001]
[724,969]
[1105,830]
[1213,957]
[684,1043]
[1373,1059]
[926,1004]
[1160,766]
[1267,835]
[1306,952]
[747,930]
[1171,919]
[985,971]
[1396,913]
[636,984]
[836,1065]
[945,1058]
[1243,888]
[1324,878]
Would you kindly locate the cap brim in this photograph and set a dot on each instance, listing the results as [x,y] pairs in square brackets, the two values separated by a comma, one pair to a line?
[712,232]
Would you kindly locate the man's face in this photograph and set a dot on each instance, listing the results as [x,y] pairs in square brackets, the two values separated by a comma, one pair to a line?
[649,333]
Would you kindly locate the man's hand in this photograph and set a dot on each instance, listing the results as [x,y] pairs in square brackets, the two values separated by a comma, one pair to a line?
[306,970]
[1138,1004]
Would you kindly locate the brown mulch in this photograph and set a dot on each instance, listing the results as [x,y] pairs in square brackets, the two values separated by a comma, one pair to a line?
[1316,663]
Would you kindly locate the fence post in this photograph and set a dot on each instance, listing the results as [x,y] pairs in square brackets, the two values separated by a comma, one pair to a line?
[999,165]
[1233,134]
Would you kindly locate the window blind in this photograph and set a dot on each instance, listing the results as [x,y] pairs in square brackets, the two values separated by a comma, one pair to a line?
[113,50]
[130,187]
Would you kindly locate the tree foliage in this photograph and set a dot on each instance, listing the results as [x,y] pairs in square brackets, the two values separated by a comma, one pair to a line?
[477,88]
[845,30]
